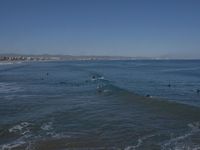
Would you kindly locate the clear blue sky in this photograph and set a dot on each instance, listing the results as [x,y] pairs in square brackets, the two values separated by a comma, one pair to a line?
[101,27]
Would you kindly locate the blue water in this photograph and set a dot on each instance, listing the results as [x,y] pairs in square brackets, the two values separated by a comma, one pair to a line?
[100,105]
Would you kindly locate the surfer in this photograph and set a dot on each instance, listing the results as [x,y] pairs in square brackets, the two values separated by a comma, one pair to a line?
[169,85]
[198,91]
[148,95]
[93,77]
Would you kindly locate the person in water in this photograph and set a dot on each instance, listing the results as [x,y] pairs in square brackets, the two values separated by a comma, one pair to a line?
[169,85]
[148,95]
[198,91]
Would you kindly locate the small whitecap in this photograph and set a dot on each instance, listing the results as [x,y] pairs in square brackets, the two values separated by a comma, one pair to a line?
[47,126]
[139,142]
[13,145]
[101,78]
[22,127]
[194,126]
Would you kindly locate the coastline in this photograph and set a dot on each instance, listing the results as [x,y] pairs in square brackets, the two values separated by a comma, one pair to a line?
[10,62]
[8,58]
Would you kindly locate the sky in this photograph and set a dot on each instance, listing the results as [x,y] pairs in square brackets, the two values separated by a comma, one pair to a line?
[137,28]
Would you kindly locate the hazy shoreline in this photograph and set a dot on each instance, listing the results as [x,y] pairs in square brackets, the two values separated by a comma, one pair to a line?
[24,58]
[17,58]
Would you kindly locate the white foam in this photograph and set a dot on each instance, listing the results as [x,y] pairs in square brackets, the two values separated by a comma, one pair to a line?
[139,142]
[101,78]
[175,140]
[98,78]
[194,126]
[16,128]
[21,128]
[47,126]
[180,142]
[13,145]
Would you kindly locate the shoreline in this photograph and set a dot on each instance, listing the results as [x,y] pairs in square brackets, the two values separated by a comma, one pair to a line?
[46,57]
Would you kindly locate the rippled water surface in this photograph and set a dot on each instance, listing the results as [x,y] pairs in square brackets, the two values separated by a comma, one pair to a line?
[102,105]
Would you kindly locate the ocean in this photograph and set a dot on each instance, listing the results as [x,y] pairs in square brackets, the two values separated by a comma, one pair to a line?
[100,105]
